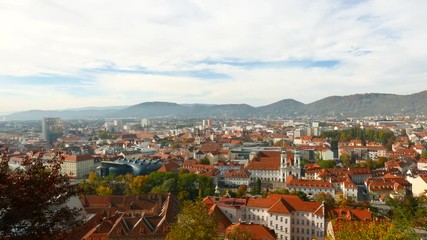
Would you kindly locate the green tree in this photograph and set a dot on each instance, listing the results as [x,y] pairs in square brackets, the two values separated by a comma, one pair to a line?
[194,223]
[32,198]
[205,161]
[280,191]
[103,135]
[300,194]
[205,186]
[325,197]
[187,184]
[241,191]
[256,189]
[326,163]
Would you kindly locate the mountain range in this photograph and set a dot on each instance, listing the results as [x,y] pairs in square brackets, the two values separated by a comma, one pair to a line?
[368,104]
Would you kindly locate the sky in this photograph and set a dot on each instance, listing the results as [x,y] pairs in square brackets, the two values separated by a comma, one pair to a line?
[58,54]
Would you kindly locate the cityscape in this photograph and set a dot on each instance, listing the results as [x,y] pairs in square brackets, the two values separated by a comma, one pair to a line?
[206,120]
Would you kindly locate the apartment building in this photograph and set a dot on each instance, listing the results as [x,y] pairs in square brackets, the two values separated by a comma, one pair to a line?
[289,216]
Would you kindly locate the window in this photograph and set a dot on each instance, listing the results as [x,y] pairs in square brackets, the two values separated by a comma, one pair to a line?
[286,221]
[297,221]
[302,222]
[277,218]
[277,227]
[271,223]
[286,230]
[302,230]
[281,219]
[281,228]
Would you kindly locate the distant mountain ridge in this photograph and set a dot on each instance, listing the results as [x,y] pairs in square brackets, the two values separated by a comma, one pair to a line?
[367,104]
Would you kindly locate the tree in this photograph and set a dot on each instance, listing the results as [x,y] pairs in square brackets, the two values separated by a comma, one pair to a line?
[381,161]
[300,194]
[326,163]
[348,230]
[325,197]
[241,191]
[137,185]
[194,223]
[102,190]
[346,159]
[256,189]
[103,135]
[205,161]
[409,211]
[33,198]
[345,201]
[239,234]
[280,191]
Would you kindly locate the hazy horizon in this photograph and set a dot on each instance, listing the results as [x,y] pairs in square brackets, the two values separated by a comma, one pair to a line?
[61,55]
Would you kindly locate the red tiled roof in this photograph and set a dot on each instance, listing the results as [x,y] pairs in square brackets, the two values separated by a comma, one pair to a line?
[222,220]
[292,181]
[236,174]
[351,214]
[76,158]
[290,202]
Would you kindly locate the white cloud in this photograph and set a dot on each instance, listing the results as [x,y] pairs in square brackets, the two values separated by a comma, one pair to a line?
[380,47]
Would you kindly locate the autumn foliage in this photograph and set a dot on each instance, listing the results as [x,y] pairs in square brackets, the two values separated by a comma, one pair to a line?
[33,197]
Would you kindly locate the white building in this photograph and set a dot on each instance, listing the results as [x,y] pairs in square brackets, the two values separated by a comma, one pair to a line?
[419,184]
[422,164]
[78,166]
[309,187]
[235,178]
[274,165]
[289,216]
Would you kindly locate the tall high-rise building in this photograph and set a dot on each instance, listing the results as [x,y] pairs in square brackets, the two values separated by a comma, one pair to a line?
[144,122]
[52,128]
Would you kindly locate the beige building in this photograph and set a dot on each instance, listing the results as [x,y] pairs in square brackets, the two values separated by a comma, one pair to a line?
[78,166]
[419,184]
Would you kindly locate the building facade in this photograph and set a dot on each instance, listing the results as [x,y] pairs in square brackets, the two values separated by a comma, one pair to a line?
[52,128]
[289,216]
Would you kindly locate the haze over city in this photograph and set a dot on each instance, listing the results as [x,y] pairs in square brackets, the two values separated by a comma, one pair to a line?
[57,55]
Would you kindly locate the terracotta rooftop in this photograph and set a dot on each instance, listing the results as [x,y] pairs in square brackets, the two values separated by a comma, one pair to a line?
[236,174]
[292,181]
[351,214]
